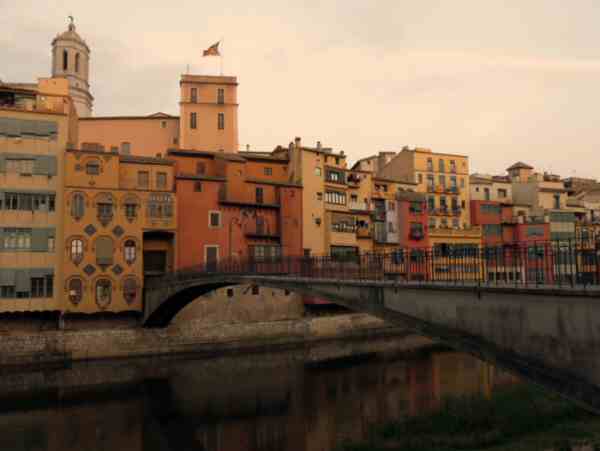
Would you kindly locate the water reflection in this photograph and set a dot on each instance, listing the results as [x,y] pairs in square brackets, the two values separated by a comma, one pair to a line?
[236,406]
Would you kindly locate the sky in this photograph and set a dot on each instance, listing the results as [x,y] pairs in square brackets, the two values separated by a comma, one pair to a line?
[497,80]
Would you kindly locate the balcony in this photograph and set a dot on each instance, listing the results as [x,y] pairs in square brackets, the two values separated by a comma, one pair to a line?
[262,231]
[358,206]
[353,179]
[452,190]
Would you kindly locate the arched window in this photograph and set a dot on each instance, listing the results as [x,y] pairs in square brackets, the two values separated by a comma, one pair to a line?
[130,290]
[130,205]
[75,290]
[129,251]
[104,251]
[104,207]
[103,293]
[76,250]
[65,60]
[77,62]
[77,206]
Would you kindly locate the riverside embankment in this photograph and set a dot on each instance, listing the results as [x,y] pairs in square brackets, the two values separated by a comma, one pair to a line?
[59,347]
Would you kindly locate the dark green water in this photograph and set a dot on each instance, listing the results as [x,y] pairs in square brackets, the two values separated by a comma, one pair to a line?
[255,402]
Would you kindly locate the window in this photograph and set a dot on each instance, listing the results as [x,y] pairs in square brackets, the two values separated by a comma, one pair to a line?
[214,219]
[442,180]
[160,206]
[220,96]
[255,290]
[7,291]
[502,193]
[453,183]
[23,166]
[432,223]
[454,204]
[335,176]
[125,148]
[441,165]
[443,204]
[17,238]
[486,193]
[92,167]
[77,206]
[221,121]
[391,228]
[103,292]
[129,251]
[416,231]
[431,203]
[163,124]
[28,202]
[229,292]
[76,250]
[452,166]
[265,252]
[429,164]
[104,206]
[318,172]
[193,121]
[319,196]
[104,251]
[557,201]
[416,207]
[335,197]
[198,187]
[161,180]
[492,230]
[75,290]
[194,96]
[462,182]
[37,287]
[65,60]
[77,58]
[259,195]
[430,182]
[130,290]
[143,179]
[268,171]
[131,210]
[200,168]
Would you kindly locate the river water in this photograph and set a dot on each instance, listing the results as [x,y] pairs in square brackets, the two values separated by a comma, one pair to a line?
[265,402]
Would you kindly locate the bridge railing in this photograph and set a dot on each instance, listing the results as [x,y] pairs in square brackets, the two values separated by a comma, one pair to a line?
[555,263]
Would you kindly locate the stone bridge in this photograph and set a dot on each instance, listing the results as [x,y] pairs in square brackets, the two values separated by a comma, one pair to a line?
[547,334]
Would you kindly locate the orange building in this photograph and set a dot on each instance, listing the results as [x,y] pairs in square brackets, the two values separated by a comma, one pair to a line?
[207,122]
[235,207]
[119,227]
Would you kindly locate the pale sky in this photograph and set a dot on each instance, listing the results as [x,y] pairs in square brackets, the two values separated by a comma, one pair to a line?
[498,80]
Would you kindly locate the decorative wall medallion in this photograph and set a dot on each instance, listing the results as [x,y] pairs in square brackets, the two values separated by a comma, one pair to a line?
[89,270]
[90,229]
[118,231]
[117,269]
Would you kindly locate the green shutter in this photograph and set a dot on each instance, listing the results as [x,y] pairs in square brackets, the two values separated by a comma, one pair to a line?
[39,240]
[22,280]
[7,277]
[40,165]
[2,162]
[52,166]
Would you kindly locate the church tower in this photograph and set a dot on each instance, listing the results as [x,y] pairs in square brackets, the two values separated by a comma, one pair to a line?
[71,60]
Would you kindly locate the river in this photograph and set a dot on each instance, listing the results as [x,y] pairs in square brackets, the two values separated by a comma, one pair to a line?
[275,401]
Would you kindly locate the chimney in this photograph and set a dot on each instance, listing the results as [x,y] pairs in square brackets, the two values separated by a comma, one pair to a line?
[247,147]
[342,152]
[318,145]
[297,141]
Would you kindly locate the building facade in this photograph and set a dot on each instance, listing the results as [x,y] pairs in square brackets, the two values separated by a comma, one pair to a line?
[120,219]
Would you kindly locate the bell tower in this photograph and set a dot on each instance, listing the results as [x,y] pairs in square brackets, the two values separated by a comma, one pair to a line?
[71,60]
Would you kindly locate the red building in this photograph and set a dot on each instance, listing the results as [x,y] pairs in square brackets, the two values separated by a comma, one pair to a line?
[234,207]
[516,248]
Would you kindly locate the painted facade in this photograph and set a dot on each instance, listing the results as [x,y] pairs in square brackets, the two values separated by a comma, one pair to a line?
[120,219]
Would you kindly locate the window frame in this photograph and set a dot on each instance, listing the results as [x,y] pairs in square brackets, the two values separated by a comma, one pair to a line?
[216,214]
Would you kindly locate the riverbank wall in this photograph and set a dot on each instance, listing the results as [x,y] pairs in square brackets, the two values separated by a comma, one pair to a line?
[60,347]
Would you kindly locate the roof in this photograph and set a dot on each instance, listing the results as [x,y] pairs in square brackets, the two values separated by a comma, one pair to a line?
[273,182]
[267,156]
[71,35]
[153,116]
[206,178]
[410,196]
[145,160]
[519,165]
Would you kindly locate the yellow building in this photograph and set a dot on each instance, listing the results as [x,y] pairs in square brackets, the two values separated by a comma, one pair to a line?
[37,123]
[119,226]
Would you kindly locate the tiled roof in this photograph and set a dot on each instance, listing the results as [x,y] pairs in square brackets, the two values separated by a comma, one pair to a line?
[144,160]
[520,165]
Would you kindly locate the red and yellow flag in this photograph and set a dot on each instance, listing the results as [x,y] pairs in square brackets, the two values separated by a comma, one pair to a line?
[213,50]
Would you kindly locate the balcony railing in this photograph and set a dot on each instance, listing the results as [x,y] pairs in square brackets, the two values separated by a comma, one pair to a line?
[358,206]
[265,232]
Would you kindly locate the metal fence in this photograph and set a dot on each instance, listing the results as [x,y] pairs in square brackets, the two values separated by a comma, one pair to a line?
[549,263]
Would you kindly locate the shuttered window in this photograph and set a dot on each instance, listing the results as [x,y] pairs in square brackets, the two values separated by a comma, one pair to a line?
[104,251]
[77,206]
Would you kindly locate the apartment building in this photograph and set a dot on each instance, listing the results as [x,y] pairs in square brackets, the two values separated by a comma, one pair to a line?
[37,124]
[120,220]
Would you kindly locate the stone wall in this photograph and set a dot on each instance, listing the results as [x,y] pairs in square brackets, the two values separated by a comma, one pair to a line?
[188,337]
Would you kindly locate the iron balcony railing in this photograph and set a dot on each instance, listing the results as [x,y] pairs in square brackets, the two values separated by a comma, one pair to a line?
[533,264]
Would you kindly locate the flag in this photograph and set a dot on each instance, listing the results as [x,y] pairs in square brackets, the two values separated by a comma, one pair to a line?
[213,50]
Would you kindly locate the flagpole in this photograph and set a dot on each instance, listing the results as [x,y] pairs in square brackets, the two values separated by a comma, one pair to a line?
[221,56]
